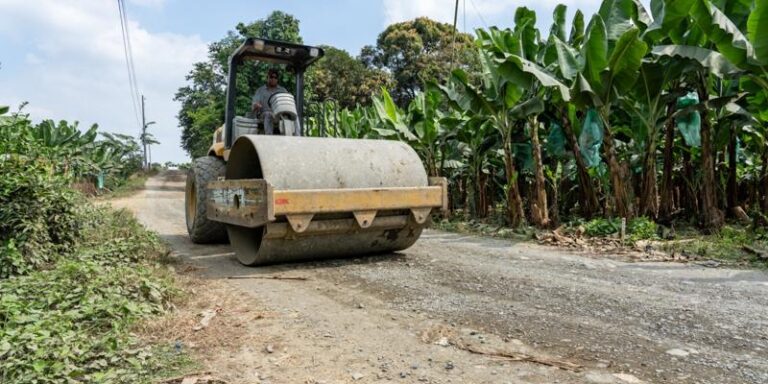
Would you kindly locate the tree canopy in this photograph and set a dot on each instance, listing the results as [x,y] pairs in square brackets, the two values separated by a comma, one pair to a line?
[339,76]
[419,50]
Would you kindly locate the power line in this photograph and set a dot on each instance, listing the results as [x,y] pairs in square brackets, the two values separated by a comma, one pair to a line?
[132,84]
[464,11]
[130,47]
[478,13]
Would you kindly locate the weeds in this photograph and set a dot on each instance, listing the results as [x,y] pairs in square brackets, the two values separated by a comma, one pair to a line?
[39,216]
[490,228]
[728,246]
[76,331]
[74,278]
[641,228]
[77,277]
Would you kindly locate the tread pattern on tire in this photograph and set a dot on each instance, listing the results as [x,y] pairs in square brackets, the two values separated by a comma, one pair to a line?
[203,230]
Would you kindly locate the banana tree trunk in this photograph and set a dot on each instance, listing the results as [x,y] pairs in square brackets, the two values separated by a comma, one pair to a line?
[691,195]
[554,206]
[764,181]
[588,196]
[539,210]
[482,201]
[622,206]
[649,195]
[667,206]
[515,213]
[711,218]
[474,189]
[732,186]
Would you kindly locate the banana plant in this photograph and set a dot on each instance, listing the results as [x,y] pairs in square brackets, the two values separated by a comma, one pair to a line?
[488,105]
[476,143]
[432,137]
[515,61]
[605,69]
[737,30]
[565,64]
[651,103]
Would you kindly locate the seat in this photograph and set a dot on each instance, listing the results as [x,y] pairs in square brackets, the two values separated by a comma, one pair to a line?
[246,126]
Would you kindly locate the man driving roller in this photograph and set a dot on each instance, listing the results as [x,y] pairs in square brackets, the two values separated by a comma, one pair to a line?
[261,99]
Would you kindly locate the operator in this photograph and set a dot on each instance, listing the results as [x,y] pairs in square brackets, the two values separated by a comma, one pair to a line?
[261,99]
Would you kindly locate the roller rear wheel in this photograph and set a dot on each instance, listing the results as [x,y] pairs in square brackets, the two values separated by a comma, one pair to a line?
[202,230]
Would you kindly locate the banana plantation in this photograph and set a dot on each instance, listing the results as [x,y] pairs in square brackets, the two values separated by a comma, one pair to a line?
[631,112]
[67,150]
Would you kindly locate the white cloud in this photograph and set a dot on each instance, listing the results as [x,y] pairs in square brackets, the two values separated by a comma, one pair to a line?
[479,12]
[74,66]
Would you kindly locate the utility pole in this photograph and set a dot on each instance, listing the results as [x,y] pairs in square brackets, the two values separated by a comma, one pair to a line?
[144,133]
[146,141]
[455,19]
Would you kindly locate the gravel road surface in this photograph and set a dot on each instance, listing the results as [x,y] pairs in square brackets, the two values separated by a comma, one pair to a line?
[465,309]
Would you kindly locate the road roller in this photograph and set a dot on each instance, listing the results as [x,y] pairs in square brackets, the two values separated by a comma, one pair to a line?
[287,197]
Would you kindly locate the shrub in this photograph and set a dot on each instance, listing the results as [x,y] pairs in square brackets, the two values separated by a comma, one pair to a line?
[642,228]
[70,322]
[601,227]
[39,215]
[78,330]
[639,228]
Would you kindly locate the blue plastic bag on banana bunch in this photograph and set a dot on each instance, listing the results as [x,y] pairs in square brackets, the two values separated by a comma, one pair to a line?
[556,141]
[523,156]
[689,124]
[591,138]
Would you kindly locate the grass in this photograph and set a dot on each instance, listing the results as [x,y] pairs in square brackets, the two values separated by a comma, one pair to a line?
[129,187]
[727,246]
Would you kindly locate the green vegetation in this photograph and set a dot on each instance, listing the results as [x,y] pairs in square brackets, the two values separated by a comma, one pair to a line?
[338,81]
[630,112]
[733,244]
[38,216]
[343,80]
[416,51]
[654,115]
[73,277]
[71,319]
[67,151]
[483,228]
[640,228]
[130,186]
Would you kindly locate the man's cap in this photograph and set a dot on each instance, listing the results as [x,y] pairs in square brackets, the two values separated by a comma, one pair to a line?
[273,71]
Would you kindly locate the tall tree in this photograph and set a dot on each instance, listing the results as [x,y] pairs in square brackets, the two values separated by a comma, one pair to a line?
[419,50]
[340,77]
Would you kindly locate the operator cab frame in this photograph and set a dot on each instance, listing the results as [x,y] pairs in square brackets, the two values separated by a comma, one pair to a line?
[297,56]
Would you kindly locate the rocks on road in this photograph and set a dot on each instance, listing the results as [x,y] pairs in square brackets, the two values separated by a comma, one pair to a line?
[365,320]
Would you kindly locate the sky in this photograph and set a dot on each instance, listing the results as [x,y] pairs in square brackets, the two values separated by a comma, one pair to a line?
[66,59]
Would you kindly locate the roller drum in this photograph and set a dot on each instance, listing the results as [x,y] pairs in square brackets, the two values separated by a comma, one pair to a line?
[302,163]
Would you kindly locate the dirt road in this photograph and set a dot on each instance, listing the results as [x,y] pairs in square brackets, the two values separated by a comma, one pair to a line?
[447,309]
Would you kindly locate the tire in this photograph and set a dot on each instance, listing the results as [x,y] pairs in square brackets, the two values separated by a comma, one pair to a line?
[202,230]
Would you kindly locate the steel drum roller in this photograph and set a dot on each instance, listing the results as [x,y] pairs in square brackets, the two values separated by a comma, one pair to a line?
[322,164]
